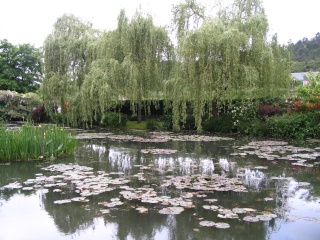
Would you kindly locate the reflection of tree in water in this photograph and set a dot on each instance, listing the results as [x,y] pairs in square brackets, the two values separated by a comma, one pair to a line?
[16,172]
[137,226]
[69,218]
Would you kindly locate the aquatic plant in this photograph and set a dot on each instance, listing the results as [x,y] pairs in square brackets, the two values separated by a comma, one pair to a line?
[35,142]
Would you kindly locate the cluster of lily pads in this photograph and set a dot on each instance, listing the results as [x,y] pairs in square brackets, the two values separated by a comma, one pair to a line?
[212,182]
[280,150]
[86,182]
[155,137]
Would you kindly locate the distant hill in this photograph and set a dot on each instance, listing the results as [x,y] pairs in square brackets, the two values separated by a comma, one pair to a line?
[306,54]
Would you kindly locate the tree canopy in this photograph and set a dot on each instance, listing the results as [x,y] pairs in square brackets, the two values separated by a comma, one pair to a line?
[217,60]
[130,65]
[20,67]
[67,59]
[225,59]
[305,54]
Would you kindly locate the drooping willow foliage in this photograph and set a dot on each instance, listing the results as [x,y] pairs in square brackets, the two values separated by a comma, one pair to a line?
[216,61]
[225,59]
[66,62]
[130,65]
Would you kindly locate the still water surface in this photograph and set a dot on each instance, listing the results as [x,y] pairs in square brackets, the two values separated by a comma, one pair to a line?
[291,192]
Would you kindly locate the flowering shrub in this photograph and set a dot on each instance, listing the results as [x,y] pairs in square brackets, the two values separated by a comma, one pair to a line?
[243,112]
[17,106]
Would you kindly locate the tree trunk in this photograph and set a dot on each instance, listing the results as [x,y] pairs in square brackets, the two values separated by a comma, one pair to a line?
[214,109]
[139,118]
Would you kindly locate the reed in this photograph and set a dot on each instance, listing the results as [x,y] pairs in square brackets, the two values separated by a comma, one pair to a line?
[35,143]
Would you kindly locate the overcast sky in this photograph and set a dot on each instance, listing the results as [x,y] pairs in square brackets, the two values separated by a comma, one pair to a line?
[30,21]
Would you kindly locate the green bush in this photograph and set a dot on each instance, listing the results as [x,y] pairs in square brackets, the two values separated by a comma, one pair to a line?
[153,124]
[221,124]
[295,126]
[114,120]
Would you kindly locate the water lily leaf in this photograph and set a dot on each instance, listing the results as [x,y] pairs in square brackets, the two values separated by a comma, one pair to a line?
[171,210]
[222,225]
[210,207]
[264,217]
[239,210]
[250,219]
[14,185]
[79,199]
[62,201]
[207,223]
[105,211]
[142,210]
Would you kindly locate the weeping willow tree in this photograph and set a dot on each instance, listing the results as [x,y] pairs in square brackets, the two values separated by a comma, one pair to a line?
[129,65]
[225,59]
[67,60]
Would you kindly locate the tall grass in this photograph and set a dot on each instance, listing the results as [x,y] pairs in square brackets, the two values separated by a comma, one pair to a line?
[35,142]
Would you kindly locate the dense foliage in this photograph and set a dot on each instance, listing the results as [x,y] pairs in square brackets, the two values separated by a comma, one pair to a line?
[217,60]
[17,106]
[227,58]
[306,54]
[20,67]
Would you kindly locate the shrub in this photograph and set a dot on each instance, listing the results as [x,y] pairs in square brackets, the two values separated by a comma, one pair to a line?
[114,120]
[296,126]
[221,124]
[153,124]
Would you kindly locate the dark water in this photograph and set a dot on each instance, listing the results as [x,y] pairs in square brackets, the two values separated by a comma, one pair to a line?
[293,195]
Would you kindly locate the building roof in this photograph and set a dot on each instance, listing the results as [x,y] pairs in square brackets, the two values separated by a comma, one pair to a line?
[301,76]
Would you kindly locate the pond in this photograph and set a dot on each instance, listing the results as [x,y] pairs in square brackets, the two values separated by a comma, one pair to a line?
[165,186]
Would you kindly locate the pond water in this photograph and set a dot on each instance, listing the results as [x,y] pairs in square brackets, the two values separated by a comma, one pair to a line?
[189,187]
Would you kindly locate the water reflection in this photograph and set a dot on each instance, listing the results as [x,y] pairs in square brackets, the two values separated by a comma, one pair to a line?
[121,160]
[252,178]
[207,167]
[274,189]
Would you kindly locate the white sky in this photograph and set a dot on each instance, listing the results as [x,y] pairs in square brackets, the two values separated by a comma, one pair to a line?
[30,21]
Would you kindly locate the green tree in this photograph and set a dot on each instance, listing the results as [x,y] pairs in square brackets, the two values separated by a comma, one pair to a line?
[129,65]
[20,67]
[67,59]
[226,58]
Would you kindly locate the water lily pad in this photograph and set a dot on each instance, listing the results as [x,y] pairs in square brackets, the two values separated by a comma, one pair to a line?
[62,201]
[239,210]
[142,210]
[105,211]
[264,217]
[14,185]
[79,199]
[250,219]
[171,210]
[207,223]
[210,207]
[211,200]
[222,225]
